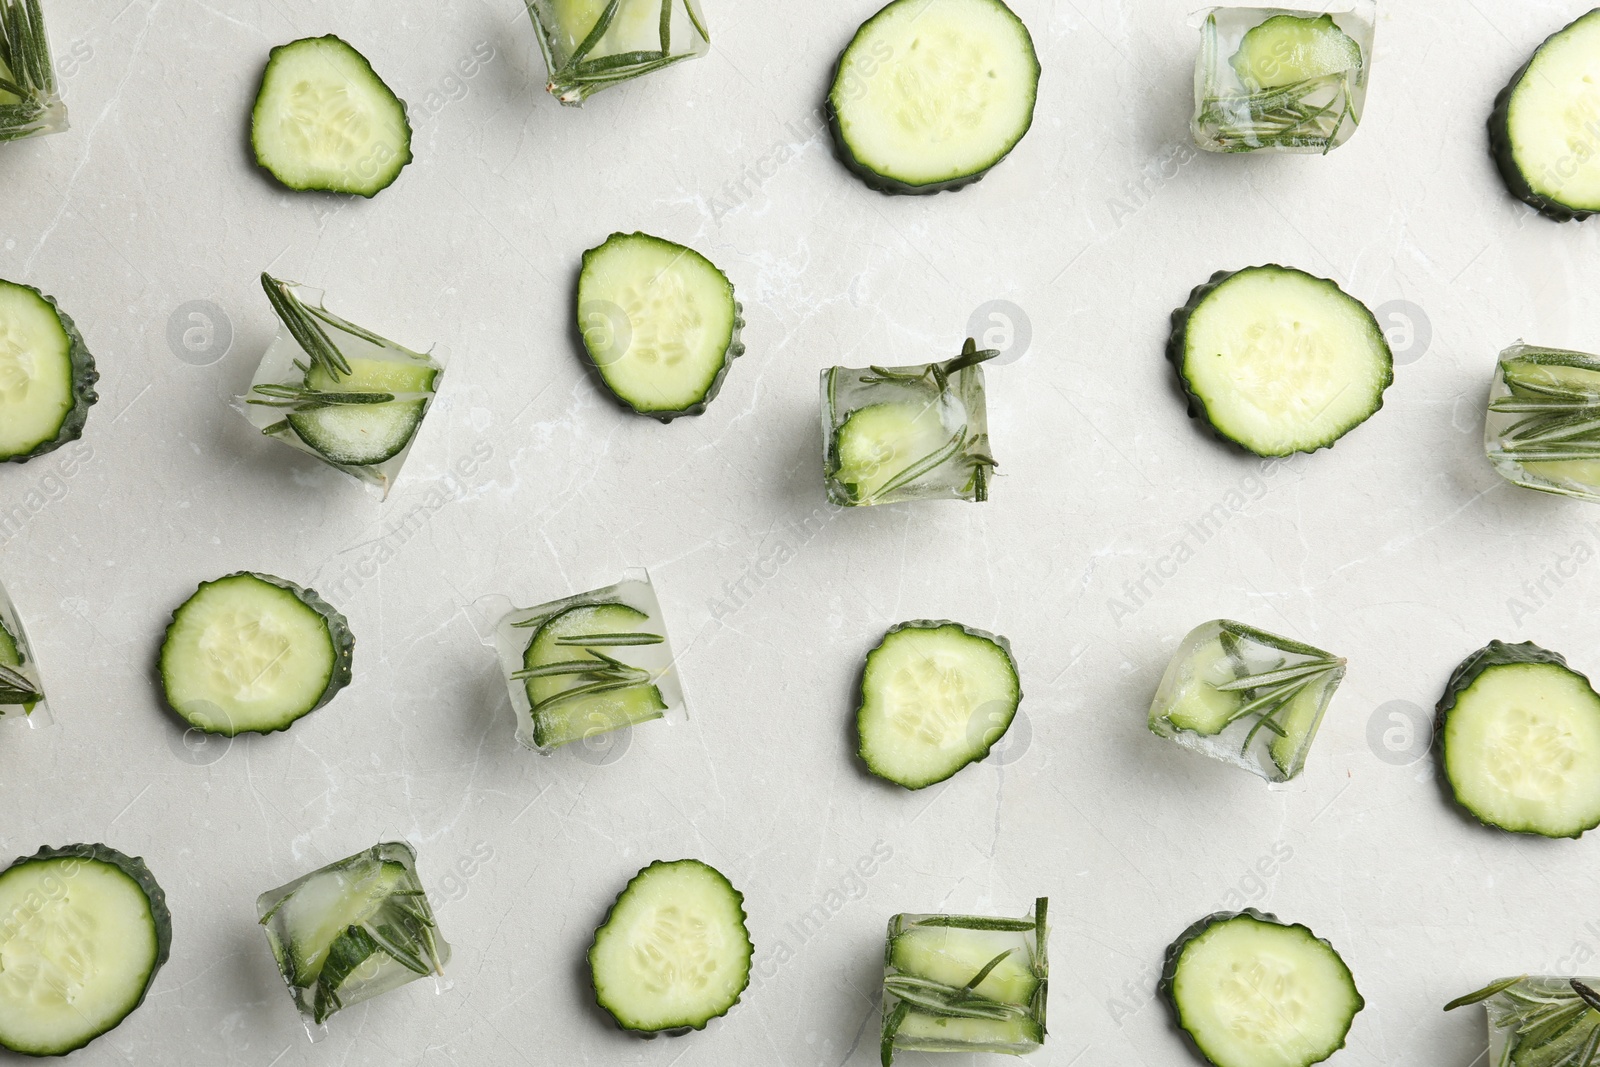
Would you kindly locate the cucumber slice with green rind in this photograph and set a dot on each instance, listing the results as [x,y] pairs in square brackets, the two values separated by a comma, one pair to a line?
[253,653]
[931,94]
[1543,128]
[584,690]
[47,375]
[86,929]
[1249,990]
[673,952]
[324,120]
[1279,361]
[659,322]
[1519,738]
[358,435]
[935,696]
[1286,49]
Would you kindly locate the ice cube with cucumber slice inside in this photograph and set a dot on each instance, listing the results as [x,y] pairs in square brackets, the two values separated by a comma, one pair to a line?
[30,105]
[589,45]
[21,689]
[892,434]
[353,930]
[584,667]
[1246,697]
[1543,426]
[338,391]
[965,983]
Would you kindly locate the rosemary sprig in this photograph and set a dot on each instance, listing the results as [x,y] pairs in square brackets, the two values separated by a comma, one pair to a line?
[1268,693]
[1557,1018]
[304,326]
[26,72]
[15,688]
[301,398]
[609,640]
[1287,116]
[1560,423]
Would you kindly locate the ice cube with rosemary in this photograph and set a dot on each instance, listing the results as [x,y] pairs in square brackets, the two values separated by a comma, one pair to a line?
[1540,1021]
[583,667]
[1282,80]
[1246,697]
[965,983]
[29,104]
[336,391]
[21,690]
[589,45]
[353,930]
[907,433]
[1543,426]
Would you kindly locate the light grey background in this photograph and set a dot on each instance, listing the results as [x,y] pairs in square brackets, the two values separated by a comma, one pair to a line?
[1400,548]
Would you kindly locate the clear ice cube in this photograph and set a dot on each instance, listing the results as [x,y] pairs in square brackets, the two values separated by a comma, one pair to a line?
[1292,87]
[353,930]
[637,41]
[282,365]
[905,433]
[38,109]
[1246,697]
[931,1002]
[21,688]
[1543,427]
[1516,1012]
[633,677]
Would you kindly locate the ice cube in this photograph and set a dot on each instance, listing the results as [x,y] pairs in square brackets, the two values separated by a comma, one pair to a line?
[1246,697]
[385,431]
[637,41]
[1282,80]
[1517,1014]
[966,983]
[353,930]
[580,668]
[21,688]
[906,433]
[1543,427]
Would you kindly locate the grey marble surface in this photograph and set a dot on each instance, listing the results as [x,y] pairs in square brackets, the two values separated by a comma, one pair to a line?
[1400,548]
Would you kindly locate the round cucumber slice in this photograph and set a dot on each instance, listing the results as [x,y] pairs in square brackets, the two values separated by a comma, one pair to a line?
[1286,49]
[359,435]
[324,120]
[86,929]
[1279,361]
[878,443]
[659,322]
[47,375]
[935,696]
[931,94]
[674,952]
[1542,130]
[578,703]
[1519,732]
[251,653]
[1252,991]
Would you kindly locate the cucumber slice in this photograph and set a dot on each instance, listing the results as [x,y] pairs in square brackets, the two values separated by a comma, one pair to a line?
[251,653]
[1199,705]
[47,375]
[358,435]
[659,322]
[931,94]
[880,442]
[324,120]
[573,700]
[85,932]
[1542,129]
[1519,733]
[1543,426]
[1278,361]
[935,696]
[1252,991]
[954,956]
[1286,49]
[938,1033]
[17,690]
[673,952]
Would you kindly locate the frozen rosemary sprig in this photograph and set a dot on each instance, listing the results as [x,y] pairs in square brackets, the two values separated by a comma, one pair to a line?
[27,76]
[1556,1018]
[579,75]
[398,929]
[1561,422]
[299,398]
[302,323]
[1267,693]
[16,688]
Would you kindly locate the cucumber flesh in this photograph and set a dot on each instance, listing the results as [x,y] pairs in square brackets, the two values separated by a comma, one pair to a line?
[46,375]
[1544,125]
[559,720]
[953,956]
[932,1033]
[1279,361]
[878,443]
[1286,49]
[1521,744]
[317,914]
[10,654]
[1200,706]
[86,930]
[1300,718]
[674,952]
[660,324]
[252,653]
[1251,991]
[931,94]
[935,696]
[358,435]
[324,120]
